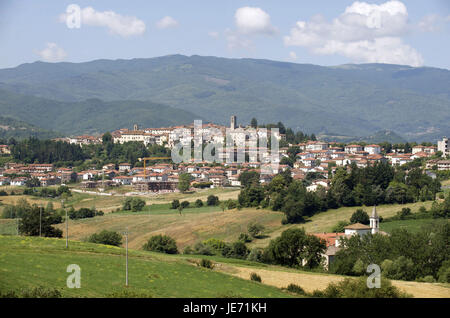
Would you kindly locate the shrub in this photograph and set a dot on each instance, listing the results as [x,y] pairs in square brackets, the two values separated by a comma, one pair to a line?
[295,289]
[129,294]
[238,250]
[244,237]
[255,255]
[161,243]
[3,193]
[185,204]
[106,237]
[231,204]
[215,244]
[444,272]
[255,229]
[198,203]
[37,292]
[357,288]
[188,250]
[255,277]
[426,279]
[175,204]
[401,268]
[206,263]
[133,204]
[202,249]
[212,200]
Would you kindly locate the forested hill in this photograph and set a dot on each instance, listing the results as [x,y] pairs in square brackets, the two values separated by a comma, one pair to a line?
[90,116]
[350,100]
[12,128]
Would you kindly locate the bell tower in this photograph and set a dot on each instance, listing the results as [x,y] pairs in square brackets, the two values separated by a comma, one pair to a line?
[374,220]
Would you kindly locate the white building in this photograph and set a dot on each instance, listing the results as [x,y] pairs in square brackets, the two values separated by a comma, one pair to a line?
[443,146]
[373,149]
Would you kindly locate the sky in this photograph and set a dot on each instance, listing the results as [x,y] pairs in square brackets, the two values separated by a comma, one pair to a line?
[323,32]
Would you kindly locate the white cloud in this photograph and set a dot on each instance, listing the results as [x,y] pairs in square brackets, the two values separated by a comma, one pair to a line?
[292,55]
[166,22]
[52,53]
[236,41]
[214,34]
[251,20]
[364,33]
[433,22]
[116,23]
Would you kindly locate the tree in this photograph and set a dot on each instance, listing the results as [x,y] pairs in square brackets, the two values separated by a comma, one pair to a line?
[175,204]
[198,203]
[106,237]
[107,138]
[249,178]
[161,243]
[33,183]
[31,222]
[360,216]
[133,204]
[254,123]
[184,182]
[212,200]
[294,246]
[255,229]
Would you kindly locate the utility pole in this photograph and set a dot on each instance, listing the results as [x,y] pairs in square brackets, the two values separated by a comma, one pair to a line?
[40,221]
[67,225]
[126,253]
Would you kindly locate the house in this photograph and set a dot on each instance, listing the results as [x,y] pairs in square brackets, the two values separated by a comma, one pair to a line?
[353,148]
[109,166]
[124,167]
[4,181]
[20,181]
[4,150]
[218,180]
[443,165]
[373,149]
[123,180]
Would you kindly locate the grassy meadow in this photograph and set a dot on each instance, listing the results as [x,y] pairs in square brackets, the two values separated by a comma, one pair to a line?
[27,262]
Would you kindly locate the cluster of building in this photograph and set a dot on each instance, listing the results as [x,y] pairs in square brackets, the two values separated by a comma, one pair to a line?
[17,174]
[245,142]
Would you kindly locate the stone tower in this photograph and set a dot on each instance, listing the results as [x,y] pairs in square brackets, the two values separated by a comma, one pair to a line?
[374,221]
[135,127]
[233,125]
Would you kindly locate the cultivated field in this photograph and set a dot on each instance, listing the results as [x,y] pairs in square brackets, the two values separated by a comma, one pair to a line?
[195,224]
[281,278]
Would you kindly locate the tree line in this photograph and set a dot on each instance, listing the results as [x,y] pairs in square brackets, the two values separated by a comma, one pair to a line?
[350,186]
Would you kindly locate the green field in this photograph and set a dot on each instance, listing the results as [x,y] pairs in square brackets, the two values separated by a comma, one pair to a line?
[27,262]
[410,225]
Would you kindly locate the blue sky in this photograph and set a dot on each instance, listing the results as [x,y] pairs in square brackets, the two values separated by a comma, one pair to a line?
[331,32]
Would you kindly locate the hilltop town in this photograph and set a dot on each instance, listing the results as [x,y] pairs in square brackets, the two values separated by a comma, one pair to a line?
[314,157]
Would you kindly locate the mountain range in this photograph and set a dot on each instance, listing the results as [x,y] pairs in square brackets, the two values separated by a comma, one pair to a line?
[346,100]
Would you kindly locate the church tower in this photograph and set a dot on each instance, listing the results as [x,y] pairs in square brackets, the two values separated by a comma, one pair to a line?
[374,220]
[233,124]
